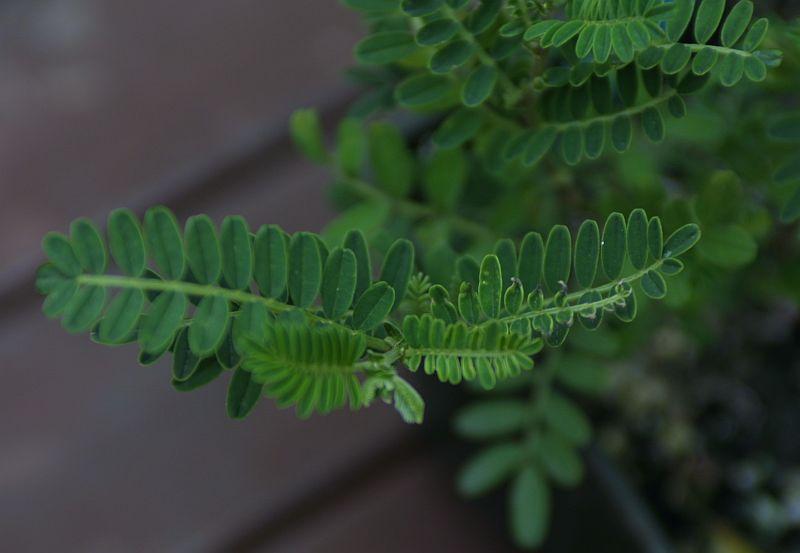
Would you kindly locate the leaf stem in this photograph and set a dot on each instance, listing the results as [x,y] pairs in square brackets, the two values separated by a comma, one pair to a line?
[204,290]
[633,110]
[575,296]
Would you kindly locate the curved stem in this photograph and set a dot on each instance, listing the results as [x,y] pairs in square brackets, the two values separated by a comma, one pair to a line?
[633,110]
[204,290]
[575,296]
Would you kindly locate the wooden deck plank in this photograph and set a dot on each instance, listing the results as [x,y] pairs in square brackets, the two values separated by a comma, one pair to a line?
[104,100]
[410,507]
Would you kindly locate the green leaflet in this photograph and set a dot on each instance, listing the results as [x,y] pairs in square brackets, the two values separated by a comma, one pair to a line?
[373,306]
[423,90]
[408,402]
[755,36]
[653,285]
[653,124]
[587,253]
[161,321]
[88,246]
[484,16]
[451,56]
[560,461]
[479,85]
[355,242]
[708,18]
[58,297]
[237,253]
[491,419]
[385,47]
[184,360]
[391,159]
[621,43]
[397,268]
[736,23]
[557,258]
[671,267]
[202,249]
[538,144]
[271,267]
[704,61]
[419,8]
[490,287]
[637,238]
[249,324]
[567,419]
[531,261]
[209,325]
[305,269]
[444,177]
[621,133]
[338,283]
[243,394]
[61,254]
[351,146]
[681,240]
[458,128]
[601,45]
[728,246]
[208,371]
[84,309]
[681,17]
[306,131]
[614,245]
[489,469]
[121,316]
[436,32]
[583,374]
[655,238]
[126,242]
[529,507]
[506,253]
[164,242]
[675,59]
[227,352]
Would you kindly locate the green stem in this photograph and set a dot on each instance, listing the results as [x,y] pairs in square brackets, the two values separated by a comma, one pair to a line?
[204,290]
[697,47]
[633,110]
[575,296]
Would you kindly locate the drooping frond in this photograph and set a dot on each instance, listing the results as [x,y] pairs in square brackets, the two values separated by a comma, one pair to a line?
[311,367]
[584,115]
[197,293]
[518,298]
[457,352]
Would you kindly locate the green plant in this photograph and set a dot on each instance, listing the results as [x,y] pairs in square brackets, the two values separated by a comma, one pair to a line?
[466,290]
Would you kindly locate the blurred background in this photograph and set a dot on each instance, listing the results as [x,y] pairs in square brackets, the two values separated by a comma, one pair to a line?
[110,103]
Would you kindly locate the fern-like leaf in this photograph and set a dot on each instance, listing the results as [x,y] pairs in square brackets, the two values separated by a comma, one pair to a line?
[310,367]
